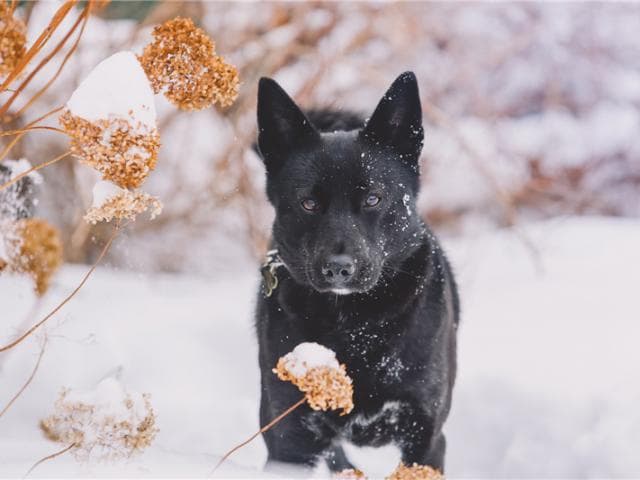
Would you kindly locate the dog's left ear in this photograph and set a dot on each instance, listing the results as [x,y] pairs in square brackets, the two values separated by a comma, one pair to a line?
[397,120]
[282,125]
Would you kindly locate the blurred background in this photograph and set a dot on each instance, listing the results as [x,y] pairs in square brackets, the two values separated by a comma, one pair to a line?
[530,176]
[531,110]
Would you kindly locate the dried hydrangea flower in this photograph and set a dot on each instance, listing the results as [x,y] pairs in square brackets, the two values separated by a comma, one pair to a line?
[350,474]
[34,248]
[181,62]
[111,120]
[415,472]
[315,370]
[106,423]
[13,39]
[111,202]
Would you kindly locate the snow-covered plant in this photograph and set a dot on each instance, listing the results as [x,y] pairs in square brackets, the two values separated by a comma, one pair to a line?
[415,472]
[106,423]
[112,202]
[182,63]
[315,370]
[111,119]
[27,245]
[13,39]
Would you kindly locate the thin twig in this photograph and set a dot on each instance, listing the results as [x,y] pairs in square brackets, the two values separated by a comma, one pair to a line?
[33,169]
[39,43]
[5,108]
[104,251]
[29,380]
[29,129]
[73,48]
[49,457]
[262,430]
[6,151]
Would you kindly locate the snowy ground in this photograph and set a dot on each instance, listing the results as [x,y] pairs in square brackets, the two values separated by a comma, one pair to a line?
[549,376]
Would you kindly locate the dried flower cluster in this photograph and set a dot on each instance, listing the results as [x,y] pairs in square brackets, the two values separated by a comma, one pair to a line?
[124,205]
[181,62]
[34,248]
[123,151]
[326,386]
[12,39]
[415,472]
[107,424]
[350,474]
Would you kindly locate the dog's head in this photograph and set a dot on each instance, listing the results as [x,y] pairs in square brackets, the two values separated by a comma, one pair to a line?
[344,200]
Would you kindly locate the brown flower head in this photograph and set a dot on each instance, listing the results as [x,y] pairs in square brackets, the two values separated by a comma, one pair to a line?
[316,372]
[111,202]
[35,249]
[350,474]
[112,122]
[106,424]
[415,472]
[124,152]
[181,62]
[13,39]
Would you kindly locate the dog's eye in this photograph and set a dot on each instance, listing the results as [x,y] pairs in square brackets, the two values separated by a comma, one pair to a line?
[372,200]
[309,204]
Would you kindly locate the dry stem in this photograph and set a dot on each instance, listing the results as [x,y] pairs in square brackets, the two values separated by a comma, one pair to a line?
[262,430]
[29,380]
[85,18]
[49,457]
[55,22]
[33,169]
[104,251]
[38,44]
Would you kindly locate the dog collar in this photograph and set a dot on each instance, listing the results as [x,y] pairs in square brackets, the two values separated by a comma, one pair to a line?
[271,263]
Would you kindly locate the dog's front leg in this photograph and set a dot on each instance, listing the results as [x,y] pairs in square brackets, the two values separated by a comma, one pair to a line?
[296,443]
[420,441]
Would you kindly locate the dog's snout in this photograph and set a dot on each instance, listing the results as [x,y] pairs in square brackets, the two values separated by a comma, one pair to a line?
[338,269]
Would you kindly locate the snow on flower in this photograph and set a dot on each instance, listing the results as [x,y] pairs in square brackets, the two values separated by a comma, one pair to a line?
[181,62]
[315,370]
[111,119]
[112,202]
[106,423]
[415,472]
[13,39]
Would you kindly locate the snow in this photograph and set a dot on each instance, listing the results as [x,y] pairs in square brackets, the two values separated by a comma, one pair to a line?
[18,167]
[116,88]
[102,191]
[548,378]
[309,355]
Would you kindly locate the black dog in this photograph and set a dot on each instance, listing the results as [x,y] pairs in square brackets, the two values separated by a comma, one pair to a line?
[361,275]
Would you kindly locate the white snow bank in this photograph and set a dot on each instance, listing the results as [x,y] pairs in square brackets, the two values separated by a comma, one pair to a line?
[309,355]
[116,88]
[548,357]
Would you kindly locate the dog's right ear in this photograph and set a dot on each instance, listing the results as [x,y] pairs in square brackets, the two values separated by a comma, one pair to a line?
[281,124]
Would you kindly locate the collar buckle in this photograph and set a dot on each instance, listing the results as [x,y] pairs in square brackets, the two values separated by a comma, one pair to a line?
[268,270]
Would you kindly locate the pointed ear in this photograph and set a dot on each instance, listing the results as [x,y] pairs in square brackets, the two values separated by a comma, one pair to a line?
[281,124]
[397,120]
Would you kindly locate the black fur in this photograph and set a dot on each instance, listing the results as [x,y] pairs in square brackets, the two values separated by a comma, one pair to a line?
[395,328]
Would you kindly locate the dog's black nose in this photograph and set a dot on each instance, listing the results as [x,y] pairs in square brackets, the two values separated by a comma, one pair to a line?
[338,269]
